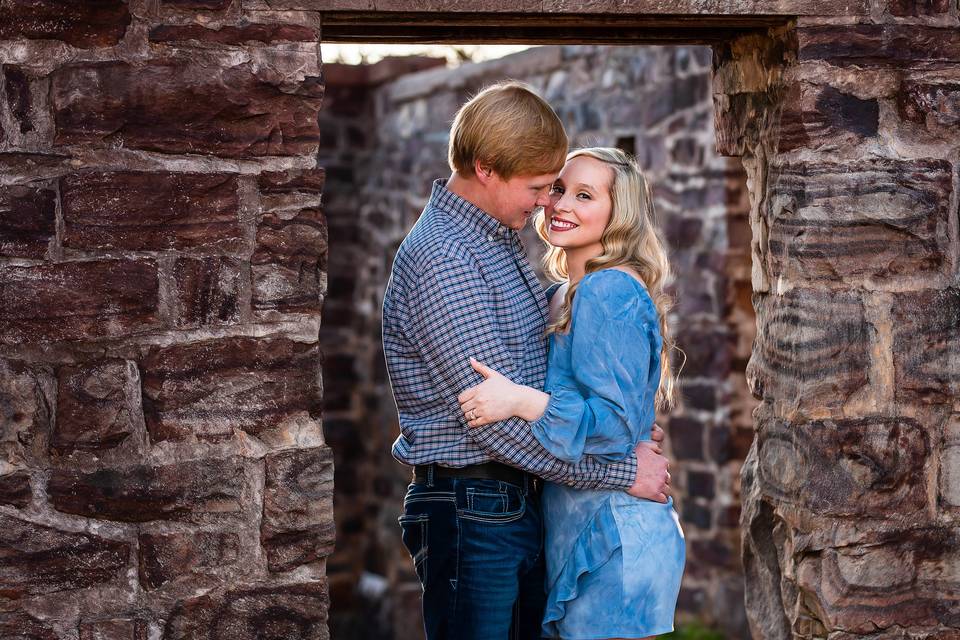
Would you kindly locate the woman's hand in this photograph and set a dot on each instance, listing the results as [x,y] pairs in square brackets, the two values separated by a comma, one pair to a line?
[494,399]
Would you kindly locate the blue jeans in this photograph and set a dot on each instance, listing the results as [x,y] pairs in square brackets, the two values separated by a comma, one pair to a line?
[477,547]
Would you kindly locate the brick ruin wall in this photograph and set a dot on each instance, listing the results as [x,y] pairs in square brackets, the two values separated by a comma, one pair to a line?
[163,262]
[652,101]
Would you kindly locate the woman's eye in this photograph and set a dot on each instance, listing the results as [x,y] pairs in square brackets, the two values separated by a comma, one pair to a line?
[583,196]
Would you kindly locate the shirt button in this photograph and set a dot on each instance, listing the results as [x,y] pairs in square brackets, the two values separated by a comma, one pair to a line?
[490,237]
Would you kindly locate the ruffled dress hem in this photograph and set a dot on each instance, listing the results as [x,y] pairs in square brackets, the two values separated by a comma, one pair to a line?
[593,548]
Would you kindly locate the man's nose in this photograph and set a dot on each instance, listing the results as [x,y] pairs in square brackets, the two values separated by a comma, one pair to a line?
[543,199]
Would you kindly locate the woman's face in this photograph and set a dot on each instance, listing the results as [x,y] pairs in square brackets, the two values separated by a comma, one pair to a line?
[580,205]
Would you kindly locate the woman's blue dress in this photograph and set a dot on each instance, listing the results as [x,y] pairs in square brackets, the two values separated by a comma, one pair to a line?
[614,562]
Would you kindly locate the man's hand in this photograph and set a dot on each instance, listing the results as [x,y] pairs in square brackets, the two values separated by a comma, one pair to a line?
[657,435]
[653,474]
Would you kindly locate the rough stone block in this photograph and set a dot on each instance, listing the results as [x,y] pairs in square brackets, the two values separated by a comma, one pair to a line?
[182,107]
[696,515]
[686,438]
[17,86]
[726,442]
[24,416]
[926,350]
[116,629]
[246,34]
[813,353]
[151,211]
[701,484]
[293,180]
[872,45]
[866,467]
[906,578]
[194,491]
[289,261]
[873,218]
[264,386]
[825,118]
[936,105]
[950,476]
[15,489]
[197,4]
[27,220]
[92,23]
[36,559]
[918,8]
[98,405]
[169,556]
[707,351]
[21,626]
[207,291]
[297,526]
[77,300]
[286,611]
[714,553]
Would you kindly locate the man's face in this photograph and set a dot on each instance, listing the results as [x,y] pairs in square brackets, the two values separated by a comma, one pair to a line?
[514,201]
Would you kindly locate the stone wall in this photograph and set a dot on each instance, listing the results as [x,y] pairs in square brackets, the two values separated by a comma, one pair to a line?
[652,101]
[851,148]
[163,473]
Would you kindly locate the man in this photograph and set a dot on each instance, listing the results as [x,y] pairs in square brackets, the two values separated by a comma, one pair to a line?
[462,287]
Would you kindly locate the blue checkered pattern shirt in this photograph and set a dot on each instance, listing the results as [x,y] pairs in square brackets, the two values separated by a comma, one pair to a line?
[461,286]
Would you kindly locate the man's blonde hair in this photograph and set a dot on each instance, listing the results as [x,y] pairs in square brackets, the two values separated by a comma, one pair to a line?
[510,128]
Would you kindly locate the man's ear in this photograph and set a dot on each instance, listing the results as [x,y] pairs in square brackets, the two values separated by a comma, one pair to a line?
[483,171]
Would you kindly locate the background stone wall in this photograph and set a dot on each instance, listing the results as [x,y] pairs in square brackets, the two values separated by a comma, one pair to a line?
[163,472]
[652,101]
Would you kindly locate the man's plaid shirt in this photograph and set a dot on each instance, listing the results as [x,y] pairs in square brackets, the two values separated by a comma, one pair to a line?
[462,286]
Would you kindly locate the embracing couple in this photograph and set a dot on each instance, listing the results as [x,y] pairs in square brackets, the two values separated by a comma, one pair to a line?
[540,503]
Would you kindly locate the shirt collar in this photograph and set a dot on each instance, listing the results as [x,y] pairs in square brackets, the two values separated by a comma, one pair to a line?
[465,214]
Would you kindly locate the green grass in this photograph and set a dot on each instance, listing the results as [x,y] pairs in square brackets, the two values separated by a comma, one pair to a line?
[693,631]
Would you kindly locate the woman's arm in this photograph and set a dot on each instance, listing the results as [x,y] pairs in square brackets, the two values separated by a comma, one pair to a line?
[594,408]
[497,398]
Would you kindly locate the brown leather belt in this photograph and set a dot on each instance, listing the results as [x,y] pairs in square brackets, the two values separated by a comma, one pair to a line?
[484,471]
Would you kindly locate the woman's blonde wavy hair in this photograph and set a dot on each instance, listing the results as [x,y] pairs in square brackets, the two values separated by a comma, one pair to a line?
[632,240]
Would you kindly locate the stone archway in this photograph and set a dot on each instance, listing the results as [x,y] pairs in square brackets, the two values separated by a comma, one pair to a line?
[162,266]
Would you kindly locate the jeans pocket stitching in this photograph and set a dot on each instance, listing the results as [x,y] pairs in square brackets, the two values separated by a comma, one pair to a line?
[493,518]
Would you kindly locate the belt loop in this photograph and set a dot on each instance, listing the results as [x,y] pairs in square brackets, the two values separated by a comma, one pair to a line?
[430,470]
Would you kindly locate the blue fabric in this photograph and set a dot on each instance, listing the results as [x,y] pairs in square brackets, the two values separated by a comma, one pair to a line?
[476,547]
[614,562]
[461,286]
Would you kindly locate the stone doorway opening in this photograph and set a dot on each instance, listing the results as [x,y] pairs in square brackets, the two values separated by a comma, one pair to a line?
[387,124]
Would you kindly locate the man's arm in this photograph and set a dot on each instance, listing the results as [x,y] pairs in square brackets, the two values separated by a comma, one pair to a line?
[450,307]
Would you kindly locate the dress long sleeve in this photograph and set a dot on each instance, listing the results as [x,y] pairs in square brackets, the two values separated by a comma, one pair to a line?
[612,368]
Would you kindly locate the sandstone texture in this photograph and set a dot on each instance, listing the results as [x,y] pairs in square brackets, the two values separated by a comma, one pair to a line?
[162,269]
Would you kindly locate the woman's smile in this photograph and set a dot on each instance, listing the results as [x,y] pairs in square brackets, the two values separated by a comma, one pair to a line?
[559,224]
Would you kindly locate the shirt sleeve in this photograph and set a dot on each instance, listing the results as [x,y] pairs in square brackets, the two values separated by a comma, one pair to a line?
[596,408]
[451,321]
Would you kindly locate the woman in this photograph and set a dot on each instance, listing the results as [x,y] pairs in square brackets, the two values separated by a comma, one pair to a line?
[614,562]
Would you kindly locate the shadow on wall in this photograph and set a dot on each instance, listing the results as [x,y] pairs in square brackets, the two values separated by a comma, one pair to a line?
[384,130]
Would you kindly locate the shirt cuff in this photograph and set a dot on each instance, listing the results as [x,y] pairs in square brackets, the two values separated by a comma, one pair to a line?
[621,475]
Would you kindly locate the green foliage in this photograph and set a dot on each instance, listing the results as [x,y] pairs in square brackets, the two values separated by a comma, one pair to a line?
[693,631]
